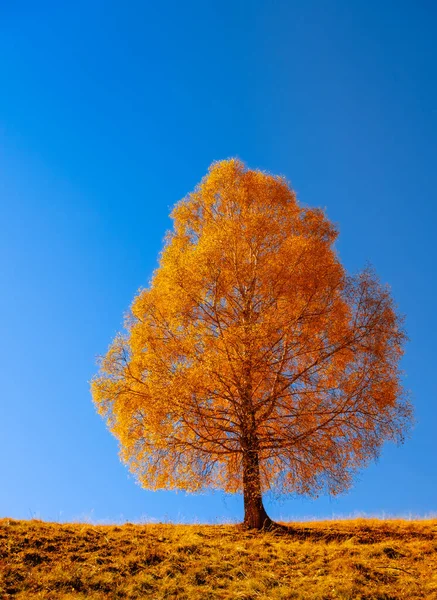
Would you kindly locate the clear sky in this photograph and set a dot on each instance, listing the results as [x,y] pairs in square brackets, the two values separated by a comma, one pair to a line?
[110,112]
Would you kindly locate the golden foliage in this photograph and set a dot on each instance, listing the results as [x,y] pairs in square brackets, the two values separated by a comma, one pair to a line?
[343,560]
[252,341]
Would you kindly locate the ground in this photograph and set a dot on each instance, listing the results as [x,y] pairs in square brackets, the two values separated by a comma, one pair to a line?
[351,559]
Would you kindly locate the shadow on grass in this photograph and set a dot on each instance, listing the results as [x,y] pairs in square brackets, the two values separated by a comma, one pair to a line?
[362,535]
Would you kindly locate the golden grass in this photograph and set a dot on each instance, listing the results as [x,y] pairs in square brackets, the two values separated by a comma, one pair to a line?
[355,559]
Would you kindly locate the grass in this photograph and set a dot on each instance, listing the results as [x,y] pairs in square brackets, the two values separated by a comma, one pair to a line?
[359,559]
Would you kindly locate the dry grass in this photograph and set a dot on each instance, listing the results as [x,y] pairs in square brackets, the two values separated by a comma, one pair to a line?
[359,559]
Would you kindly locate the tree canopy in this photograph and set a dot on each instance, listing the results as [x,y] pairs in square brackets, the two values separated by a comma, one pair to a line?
[253,361]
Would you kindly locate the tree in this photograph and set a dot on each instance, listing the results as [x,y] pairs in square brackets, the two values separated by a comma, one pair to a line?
[253,362]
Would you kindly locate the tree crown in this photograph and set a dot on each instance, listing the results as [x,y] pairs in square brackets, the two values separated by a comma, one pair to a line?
[252,339]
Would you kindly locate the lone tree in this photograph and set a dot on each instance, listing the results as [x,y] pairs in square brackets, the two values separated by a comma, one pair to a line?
[253,362]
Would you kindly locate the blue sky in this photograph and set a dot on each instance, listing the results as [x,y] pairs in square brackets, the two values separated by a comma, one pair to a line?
[111,112]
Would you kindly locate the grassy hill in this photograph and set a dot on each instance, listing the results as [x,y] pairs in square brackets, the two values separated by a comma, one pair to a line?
[355,559]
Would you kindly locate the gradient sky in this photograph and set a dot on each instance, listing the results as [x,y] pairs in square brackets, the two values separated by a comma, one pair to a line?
[110,112]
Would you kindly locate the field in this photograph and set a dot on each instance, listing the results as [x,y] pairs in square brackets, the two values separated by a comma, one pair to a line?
[351,559]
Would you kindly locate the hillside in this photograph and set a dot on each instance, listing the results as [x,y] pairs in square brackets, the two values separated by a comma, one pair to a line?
[359,559]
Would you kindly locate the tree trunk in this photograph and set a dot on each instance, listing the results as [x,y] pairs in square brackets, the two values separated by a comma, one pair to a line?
[255,516]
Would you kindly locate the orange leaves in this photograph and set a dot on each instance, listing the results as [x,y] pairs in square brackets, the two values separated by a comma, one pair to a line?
[251,329]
